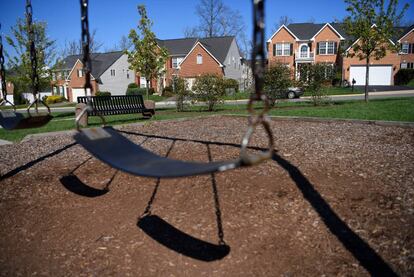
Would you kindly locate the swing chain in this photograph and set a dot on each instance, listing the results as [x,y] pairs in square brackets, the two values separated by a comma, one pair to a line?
[3,75]
[33,60]
[258,68]
[32,48]
[85,39]
[87,64]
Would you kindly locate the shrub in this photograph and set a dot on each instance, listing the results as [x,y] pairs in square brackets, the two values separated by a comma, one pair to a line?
[168,91]
[54,99]
[136,91]
[132,85]
[314,78]
[277,80]
[182,92]
[231,84]
[151,91]
[102,93]
[404,76]
[209,88]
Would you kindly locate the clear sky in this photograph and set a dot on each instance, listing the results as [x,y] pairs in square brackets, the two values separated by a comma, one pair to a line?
[112,19]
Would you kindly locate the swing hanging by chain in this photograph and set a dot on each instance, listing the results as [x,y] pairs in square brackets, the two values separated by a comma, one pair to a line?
[3,100]
[109,146]
[13,120]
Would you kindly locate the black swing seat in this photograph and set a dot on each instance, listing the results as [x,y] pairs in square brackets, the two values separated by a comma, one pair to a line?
[10,120]
[112,148]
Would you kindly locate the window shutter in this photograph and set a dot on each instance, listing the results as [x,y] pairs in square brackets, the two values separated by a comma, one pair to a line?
[411,48]
[310,46]
[274,49]
[291,49]
[317,48]
[171,65]
[335,47]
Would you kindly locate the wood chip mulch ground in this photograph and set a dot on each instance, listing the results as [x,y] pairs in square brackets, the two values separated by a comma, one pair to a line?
[337,199]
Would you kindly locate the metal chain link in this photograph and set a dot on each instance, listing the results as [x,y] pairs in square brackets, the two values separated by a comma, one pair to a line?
[32,49]
[258,68]
[87,64]
[85,38]
[2,70]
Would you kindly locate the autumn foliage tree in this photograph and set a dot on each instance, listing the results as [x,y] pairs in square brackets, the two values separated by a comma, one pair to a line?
[146,57]
[371,23]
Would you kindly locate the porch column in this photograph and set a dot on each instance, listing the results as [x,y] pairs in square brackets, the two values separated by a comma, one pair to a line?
[296,71]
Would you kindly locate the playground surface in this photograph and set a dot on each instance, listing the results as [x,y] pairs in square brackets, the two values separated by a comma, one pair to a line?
[337,199]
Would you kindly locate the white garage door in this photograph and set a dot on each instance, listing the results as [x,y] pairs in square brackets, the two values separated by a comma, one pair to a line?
[78,92]
[378,75]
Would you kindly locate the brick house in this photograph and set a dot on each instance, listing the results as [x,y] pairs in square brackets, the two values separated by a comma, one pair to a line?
[407,47]
[110,72]
[191,57]
[300,43]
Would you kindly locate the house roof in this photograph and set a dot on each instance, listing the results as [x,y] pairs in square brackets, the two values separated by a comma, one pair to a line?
[403,31]
[217,46]
[100,62]
[306,31]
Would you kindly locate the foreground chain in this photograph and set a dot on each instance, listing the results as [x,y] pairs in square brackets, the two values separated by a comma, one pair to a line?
[258,68]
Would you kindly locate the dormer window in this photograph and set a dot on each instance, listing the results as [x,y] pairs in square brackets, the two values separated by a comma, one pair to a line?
[80,73]
[199,59]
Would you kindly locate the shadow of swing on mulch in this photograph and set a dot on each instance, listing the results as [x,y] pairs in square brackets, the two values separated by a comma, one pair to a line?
[176,240]
[166,234]
[73,184]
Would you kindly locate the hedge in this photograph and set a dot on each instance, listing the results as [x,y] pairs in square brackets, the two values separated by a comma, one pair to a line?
[404,76]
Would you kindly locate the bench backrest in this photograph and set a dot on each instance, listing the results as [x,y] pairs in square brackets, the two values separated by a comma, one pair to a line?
[117,104]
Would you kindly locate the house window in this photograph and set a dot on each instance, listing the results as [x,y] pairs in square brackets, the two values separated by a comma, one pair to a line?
[405,48]
[327,48]
[54,90]
[199,59]
[54,76]
[80,73]
[176,62]
[127,74]
[112,72]
[282,49]
[407,65]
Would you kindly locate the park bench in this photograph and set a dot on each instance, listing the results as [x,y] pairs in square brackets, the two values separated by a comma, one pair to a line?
[117,104]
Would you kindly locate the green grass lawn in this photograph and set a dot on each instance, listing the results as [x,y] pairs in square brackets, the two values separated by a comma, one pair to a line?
[338,91]
[411,83]
[401,109]
[238,96]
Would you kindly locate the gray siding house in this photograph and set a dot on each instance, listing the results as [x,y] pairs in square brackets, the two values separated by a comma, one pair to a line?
[110,72]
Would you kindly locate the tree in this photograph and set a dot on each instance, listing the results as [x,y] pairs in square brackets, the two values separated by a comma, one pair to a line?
[20,63]
[277,80]
[181,91]
[313,78]
[74,47]
[209,88]
[147,57]
[124,44]
[371,22]
[217,19]
[283,20]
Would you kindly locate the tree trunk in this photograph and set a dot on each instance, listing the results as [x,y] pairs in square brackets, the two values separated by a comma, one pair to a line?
[367,81]
[148,83]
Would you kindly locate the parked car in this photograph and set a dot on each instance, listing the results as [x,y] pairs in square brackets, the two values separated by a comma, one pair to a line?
[293,92]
